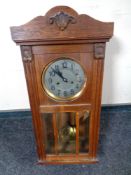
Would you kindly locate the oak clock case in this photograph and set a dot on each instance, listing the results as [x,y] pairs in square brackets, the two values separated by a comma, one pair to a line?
[63,57]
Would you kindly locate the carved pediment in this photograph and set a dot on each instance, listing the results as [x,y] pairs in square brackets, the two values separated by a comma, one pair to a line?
[62,23]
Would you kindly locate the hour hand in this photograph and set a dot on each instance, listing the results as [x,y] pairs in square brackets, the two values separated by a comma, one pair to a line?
[63,78]
[60,74]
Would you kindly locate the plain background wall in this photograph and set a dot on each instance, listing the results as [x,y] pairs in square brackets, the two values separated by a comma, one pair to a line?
[117,74]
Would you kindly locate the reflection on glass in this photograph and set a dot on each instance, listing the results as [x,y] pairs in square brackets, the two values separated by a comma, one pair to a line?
[84,132]
[48,132]
[66,124]
[60,133]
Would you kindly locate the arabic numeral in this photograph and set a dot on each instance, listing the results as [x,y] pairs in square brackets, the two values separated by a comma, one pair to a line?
[65,93]
[79,79]
[72,92]
[64,64]
[50,80]
[59,91]
[77,86]
[72,66]
[77,72]
[52,87]
[52,73]
[56,67]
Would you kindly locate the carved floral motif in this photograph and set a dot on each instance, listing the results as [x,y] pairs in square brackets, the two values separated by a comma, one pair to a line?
[62,20]
[99,50]
[26,53]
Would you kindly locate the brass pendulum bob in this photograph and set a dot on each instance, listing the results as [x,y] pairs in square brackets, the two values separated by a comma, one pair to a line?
[72,127]
[68,134]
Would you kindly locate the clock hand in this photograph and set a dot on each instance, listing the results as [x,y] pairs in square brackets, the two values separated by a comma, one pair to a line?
[60,74]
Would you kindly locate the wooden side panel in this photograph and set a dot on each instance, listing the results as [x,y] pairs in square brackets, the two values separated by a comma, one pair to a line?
[96,105]
[100,64]
[91,128]
[34,103]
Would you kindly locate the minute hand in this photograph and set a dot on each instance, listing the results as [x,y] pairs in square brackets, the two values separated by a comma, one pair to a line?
[60,75]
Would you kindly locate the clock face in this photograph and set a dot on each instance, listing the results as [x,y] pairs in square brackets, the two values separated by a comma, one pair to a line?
[63,79]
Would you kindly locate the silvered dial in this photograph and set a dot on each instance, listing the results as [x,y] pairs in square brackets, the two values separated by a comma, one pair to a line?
[63,79]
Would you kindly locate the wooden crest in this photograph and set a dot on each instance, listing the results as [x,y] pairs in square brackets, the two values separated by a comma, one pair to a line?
[62,23]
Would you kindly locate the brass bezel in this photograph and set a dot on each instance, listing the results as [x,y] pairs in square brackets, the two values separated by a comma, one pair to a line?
[54,97]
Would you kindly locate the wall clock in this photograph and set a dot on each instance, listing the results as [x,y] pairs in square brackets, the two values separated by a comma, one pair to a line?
[63,57]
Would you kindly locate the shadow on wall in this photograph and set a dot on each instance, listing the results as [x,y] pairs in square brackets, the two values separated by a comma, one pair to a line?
[112,49]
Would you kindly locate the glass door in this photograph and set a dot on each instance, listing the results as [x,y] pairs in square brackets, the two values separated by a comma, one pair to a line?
[66,132]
